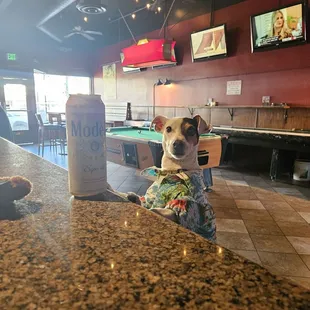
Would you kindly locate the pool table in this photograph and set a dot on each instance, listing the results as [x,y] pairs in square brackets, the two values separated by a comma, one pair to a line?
[140,147]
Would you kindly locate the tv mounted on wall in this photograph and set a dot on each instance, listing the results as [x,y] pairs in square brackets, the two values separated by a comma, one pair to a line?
[283,27]
[209,43]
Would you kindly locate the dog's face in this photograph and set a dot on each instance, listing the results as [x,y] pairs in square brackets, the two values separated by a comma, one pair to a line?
[180,135]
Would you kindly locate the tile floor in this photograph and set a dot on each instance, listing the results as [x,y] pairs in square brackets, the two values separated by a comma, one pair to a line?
[264,221]
[267,222]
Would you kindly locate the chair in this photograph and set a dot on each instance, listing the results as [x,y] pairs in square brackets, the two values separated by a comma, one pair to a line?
[55,133]
[57,119]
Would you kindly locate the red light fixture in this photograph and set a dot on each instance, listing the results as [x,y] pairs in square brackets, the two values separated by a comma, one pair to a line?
[149,53]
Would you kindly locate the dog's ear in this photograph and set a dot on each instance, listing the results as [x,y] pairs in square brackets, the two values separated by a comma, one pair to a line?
[159,122]
[202,126]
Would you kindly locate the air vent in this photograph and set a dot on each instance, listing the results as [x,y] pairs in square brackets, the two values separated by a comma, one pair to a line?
[91,6]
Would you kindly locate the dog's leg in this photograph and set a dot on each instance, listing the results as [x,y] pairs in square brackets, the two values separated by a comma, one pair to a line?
[168,214]
[197,217]
[207,176]
[132,197]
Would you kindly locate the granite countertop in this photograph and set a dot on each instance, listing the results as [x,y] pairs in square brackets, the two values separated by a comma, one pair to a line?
[61,253]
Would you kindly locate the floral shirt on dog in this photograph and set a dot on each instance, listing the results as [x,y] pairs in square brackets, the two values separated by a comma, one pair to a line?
[182,192]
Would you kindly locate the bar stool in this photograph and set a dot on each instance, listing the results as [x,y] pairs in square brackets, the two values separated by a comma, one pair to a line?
[55,133]
[62,139]
[60,135]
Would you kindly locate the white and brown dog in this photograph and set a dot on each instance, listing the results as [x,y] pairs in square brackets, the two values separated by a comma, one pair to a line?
[178,193]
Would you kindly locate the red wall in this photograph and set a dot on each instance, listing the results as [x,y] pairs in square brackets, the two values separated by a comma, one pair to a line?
[283,74]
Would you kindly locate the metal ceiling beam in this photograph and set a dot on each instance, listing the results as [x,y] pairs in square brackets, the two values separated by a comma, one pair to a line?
[50,34]
[127,26]
[60,7]
[128,14]
[164,23]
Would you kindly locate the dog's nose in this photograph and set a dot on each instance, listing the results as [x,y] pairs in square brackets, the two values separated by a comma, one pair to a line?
[178,146]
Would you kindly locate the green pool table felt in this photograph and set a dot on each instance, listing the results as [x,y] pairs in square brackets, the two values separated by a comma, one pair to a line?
[145,133]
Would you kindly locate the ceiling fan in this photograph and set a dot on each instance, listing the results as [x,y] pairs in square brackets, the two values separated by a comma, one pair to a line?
[85,33]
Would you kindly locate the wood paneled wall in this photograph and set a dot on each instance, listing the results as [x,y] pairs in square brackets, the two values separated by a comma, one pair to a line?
[297,118]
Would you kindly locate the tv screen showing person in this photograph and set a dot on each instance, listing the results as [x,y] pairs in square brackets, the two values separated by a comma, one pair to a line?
[278,26]
[208,43]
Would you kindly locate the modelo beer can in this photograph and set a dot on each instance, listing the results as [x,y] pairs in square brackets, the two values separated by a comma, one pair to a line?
[86,138]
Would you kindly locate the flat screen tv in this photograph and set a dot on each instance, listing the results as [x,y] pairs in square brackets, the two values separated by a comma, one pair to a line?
[209,43]
[283,27]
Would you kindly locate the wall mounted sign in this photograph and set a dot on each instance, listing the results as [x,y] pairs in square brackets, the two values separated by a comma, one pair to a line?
[234,88]
[11,56]
[109,82]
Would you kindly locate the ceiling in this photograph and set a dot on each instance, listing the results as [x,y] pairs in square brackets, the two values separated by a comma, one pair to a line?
[32,25]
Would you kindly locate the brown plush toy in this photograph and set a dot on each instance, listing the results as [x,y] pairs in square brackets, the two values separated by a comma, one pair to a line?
[13,188]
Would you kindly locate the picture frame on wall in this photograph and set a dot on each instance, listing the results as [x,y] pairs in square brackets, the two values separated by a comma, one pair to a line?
[209,43]
[109,81]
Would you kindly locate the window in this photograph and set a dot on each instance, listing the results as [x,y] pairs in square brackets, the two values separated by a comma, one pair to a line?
[52,91]
[16,106]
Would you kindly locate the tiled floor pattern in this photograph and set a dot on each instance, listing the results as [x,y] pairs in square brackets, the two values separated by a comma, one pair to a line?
[264,221]
[267,222]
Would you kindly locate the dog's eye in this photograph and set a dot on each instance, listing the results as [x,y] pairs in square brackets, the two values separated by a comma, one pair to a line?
[168,129]
[191,131]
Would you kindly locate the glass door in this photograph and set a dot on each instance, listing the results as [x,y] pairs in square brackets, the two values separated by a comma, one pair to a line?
[16,97]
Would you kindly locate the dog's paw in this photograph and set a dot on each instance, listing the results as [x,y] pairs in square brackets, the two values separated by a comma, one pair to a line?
[168,214]
[132,197]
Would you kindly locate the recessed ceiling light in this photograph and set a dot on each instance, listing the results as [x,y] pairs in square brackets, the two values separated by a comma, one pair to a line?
[91,6]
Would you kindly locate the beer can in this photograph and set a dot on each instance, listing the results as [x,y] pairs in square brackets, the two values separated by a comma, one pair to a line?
[86,139]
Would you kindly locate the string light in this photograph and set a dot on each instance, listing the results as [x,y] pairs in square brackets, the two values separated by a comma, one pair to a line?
[85,19]
[159,9]
[148,6]
[133,16]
